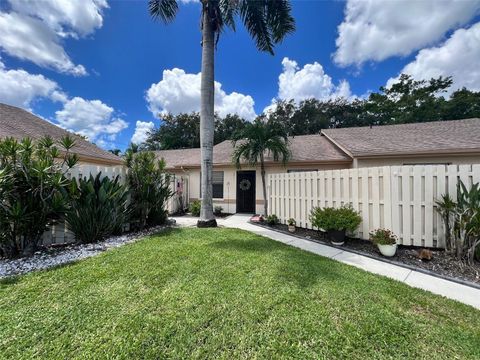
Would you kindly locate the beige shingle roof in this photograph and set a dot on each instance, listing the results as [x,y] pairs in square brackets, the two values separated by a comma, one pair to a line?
[19,123]
[305,148]
[455,136]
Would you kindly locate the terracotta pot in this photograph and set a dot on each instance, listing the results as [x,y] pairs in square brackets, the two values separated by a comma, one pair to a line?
[337,237]
[291,228]
[387,250]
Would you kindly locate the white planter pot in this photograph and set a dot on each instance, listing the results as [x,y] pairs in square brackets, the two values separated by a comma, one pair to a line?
[291,228]
[387,250]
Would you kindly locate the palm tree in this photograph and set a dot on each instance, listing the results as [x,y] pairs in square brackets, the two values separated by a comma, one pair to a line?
[267,21]
[255,141]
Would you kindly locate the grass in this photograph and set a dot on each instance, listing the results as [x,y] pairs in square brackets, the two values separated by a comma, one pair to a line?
[224,293]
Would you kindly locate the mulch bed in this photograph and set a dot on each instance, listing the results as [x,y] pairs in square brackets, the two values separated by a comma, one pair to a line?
[442,263]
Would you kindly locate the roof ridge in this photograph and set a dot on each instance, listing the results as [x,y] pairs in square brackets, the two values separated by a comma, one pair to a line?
[422,123]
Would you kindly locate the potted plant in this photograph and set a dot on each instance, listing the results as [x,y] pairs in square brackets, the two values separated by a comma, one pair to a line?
[385,240]
[272,220]
[195,208]
[291,225]
[336,222]
[217,210]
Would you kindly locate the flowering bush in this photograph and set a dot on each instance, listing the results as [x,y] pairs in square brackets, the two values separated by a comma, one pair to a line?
[383,237]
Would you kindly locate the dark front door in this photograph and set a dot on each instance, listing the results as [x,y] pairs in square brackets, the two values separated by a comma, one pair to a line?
[246,191]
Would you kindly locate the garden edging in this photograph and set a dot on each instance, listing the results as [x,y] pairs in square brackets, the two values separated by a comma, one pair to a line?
[388,261]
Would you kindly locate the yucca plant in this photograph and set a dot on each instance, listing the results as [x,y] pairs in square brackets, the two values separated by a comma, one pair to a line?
[33,190]
[446,208]
[99,208]
[462,221]
[149,185]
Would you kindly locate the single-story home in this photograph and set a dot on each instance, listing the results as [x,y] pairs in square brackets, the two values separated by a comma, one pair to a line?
[240,190]
[19,123]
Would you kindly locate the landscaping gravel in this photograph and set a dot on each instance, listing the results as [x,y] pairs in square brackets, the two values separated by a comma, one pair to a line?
[442,263]
[55,256]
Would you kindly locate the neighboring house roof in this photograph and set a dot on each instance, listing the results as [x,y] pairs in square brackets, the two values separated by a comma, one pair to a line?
[180,157]
[19,123]
[438,137]
[305,149]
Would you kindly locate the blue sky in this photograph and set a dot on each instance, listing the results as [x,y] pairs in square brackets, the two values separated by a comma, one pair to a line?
[106,69]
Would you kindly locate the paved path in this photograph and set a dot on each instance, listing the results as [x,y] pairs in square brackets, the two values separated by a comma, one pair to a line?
[449,289]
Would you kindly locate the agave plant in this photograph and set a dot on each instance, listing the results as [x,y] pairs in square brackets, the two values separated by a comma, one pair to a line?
[99,208]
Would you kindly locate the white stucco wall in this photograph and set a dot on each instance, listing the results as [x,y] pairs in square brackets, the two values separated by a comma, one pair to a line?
[228,202]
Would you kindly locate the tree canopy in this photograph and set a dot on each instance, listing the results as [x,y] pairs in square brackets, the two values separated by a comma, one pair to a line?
[183,131]
[406,101]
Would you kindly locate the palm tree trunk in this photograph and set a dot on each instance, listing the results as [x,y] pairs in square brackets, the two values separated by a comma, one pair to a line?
[264,185]
[207,94]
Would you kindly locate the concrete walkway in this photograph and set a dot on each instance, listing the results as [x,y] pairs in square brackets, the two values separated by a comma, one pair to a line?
[465,294]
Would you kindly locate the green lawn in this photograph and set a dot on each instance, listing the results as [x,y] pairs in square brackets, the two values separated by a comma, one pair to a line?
[224,293]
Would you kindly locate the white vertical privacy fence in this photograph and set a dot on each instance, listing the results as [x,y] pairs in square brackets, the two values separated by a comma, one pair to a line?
[400,198]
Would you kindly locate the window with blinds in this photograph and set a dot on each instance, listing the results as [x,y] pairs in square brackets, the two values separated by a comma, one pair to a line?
[217,184]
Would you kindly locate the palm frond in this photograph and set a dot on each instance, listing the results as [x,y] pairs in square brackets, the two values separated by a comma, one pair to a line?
[228,9]
[279,20]
[253,15]
[166,10]
[258,139]
[267,21]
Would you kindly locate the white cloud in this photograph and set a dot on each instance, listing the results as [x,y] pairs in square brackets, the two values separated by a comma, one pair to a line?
[20,88]
[457,57]
[78,17]
[141,130]
[91,118]
[378,29]
[179,92]
[311,81]
[33,30]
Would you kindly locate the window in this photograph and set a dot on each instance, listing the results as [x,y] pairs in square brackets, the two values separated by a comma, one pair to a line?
[217,185]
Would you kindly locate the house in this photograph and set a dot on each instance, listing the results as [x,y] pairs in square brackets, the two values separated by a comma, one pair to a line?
[19,123]
[240,190]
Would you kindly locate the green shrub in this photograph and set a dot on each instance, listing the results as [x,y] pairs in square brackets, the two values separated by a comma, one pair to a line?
[149,187]
[344,218]
[291,222]
[99,208]
[272,220]
[461,219]
[33,190]
[217,210]
[195,207]
[383,237]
